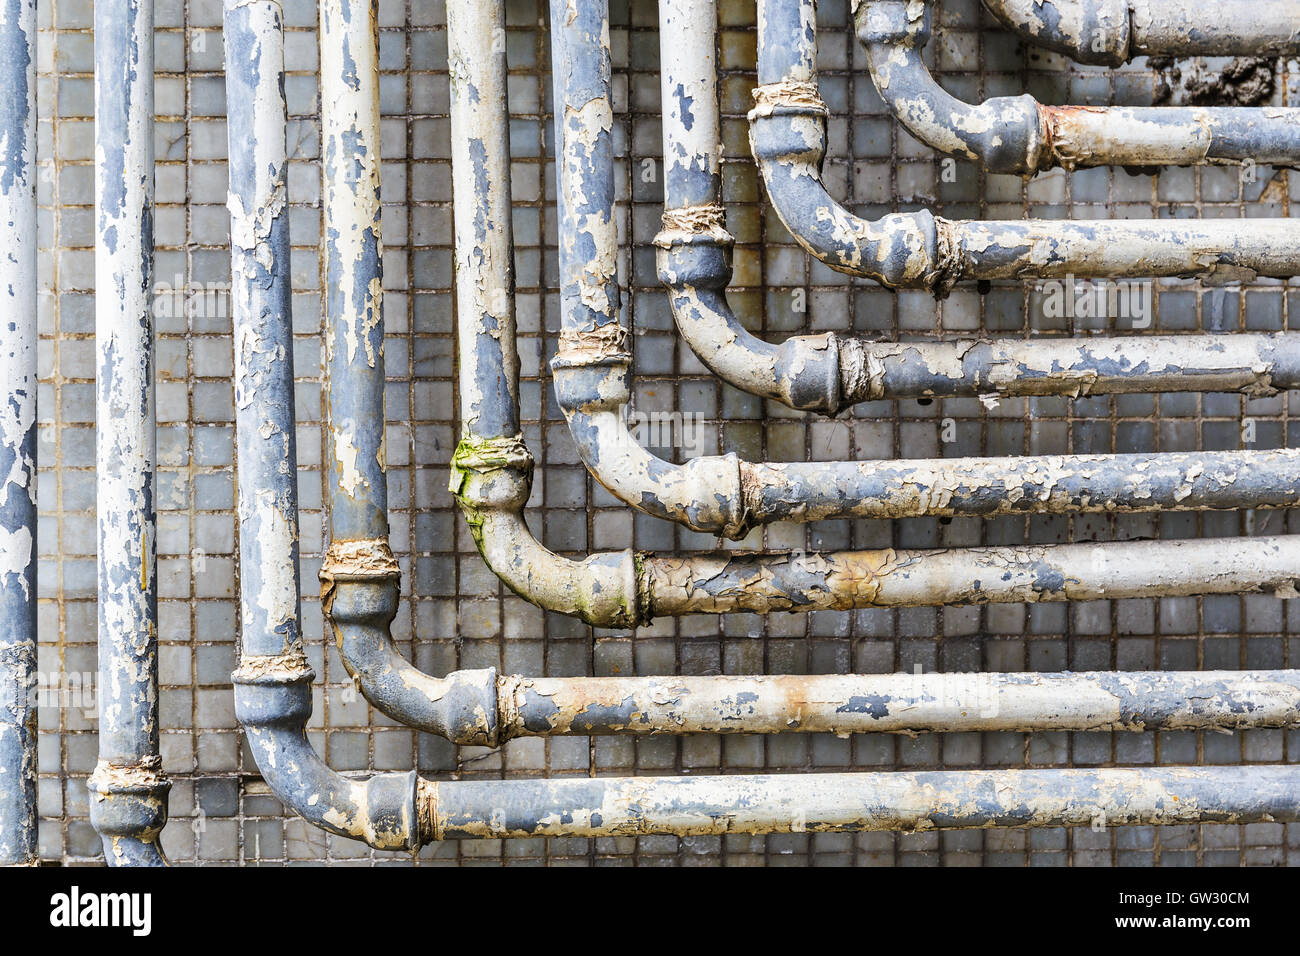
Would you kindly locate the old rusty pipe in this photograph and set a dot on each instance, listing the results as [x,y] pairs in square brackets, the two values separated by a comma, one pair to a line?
[1022,136]
[836,802]
[128,790]
[918,250]
[273,681]
[1111,32]
[18,369]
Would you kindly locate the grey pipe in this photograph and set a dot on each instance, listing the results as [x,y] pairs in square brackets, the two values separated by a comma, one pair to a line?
[1017,134]
[479,708]
[18,343]
[830,802]
[273,681]
[921,251]
[127,791]
[831,371]
[359,576]
[722,494]
[1110,32]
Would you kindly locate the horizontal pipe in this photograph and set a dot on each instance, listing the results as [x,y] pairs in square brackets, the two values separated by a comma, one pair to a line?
[1019,135]
[1048,484]
[830,371]
[918,250]
[18,370]
[831,802]
[1110,32]
[899,703]
[127,790]
[725,583]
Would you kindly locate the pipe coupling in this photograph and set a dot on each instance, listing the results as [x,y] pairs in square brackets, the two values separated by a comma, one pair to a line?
[894,22]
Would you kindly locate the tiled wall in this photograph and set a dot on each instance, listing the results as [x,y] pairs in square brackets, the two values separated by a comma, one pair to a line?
[454,612]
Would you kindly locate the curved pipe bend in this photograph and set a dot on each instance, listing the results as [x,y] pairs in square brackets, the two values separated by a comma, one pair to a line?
[920,250]
[273,705]
[1019,135]
[1111,32]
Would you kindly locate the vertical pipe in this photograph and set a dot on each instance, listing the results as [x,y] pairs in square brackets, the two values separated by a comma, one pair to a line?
[262,326]
[353,269]
[485,275]
[584,145]
[359,577]
[18,335]
[127,790]
[692,140]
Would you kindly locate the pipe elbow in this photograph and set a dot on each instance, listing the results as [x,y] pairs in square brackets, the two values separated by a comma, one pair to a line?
[704,494]
[1006,134]
[802,372]
[273,705]
[788,138]
[491,480]
[461,707]
[1096,32]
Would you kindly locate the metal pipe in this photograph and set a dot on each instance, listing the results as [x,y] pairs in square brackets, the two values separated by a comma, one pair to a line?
[128,791]
[725,583]
[722,494]
[273,681]
[919,250]
[929,800]
[1110,32]
[1017,134]
[360,576]
[18,369]
[831,371]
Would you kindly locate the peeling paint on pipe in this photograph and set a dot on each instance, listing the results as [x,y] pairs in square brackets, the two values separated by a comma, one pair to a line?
[724,495]
[273,681]
[1110,32]
[360,578]
[726,583]
[829,372]
[831,802]
[127,791]
[921,251]
[18,343]
[899,703]
[1019,135]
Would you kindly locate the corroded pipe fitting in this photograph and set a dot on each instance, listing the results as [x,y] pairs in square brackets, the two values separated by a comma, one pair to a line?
[693,254]
[273,704]
[360,588]
[787,132]
[1008,134]
[128,809]
[491,479]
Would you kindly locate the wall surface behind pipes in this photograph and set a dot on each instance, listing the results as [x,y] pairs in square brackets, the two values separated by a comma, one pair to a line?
[220,812]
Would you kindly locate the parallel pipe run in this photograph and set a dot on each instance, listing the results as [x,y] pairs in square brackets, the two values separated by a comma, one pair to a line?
[18,370]
[128,791]
[929,800]
[921,251]
[829,372]
[273,681]
[722,494]
[1110,32]
[1020,135]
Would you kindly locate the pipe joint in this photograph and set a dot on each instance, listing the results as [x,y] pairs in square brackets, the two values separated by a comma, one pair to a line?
[896,22]
[491,474]
[128,809]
